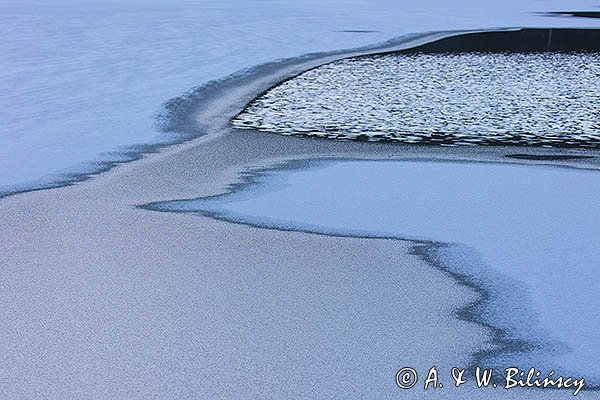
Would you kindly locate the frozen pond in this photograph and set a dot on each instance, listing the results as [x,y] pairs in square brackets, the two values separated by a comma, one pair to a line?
[547,99]
[529,235]
[84,82]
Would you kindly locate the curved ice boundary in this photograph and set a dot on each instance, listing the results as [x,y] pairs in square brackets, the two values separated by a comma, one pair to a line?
[207,108]
[546,99]
[51,106]
[526,238]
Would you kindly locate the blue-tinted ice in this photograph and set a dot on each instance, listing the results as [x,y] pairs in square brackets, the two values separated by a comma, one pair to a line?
[534,230]
[81,80]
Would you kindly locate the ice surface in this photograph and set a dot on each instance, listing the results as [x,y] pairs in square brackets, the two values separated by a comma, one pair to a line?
[542,99]
[535,231]
[80,79]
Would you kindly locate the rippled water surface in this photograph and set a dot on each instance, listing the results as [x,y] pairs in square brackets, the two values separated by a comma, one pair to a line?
[544,99]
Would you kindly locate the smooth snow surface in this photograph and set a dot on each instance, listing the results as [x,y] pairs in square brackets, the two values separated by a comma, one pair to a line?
[529,235]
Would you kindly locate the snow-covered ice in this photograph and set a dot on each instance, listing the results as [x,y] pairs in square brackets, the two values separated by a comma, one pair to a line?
[541,99]
[529,235]
[81,79]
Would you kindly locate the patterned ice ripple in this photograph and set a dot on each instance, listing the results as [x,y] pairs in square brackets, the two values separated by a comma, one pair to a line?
[539,99]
